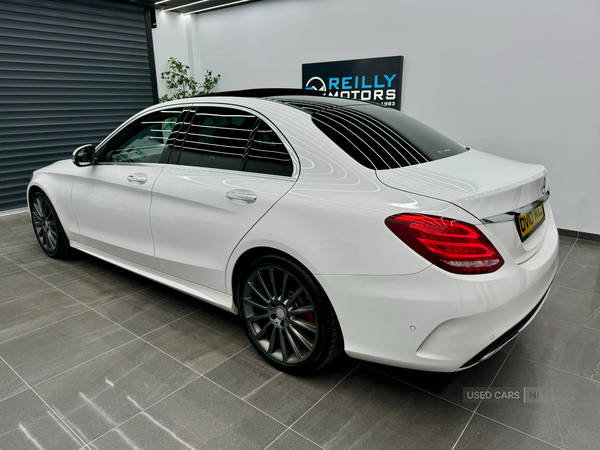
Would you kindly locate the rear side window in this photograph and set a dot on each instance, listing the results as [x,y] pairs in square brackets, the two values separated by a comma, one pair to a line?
[267,154]
[383,138]
[217,138]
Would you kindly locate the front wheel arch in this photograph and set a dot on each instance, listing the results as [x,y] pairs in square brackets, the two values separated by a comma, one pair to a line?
[64,240]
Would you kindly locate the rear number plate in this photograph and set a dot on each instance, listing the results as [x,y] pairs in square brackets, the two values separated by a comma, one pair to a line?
[529,222]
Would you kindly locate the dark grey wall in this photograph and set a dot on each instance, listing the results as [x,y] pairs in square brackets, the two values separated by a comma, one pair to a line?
[70,72]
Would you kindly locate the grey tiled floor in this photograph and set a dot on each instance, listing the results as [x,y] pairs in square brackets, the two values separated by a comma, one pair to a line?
[92,357]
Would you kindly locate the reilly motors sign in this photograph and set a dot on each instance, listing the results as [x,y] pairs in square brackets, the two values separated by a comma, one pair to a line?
[377,80]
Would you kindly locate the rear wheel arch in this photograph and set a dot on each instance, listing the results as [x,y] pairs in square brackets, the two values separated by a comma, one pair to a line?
[250,255]
[313,350]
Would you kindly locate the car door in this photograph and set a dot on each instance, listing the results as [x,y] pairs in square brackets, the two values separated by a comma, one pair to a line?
[111,199]
[229,171]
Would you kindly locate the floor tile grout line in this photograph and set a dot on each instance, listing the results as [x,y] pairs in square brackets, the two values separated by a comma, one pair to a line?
[172,322]
[198,376]
[289,428]
[569,322]
[22,296]
[47,405]
[245,401]
[555,368]
[107,318]
[78,301]
[480,401]
[170,356]
[497,373]
[70,281]
[301,435]
[94,274]
[87,306]
[14,271]
[574,289]
[517,430]
[116,299]
[325,395]
[85,362]
[42,327]
[202,375]
[13,395]
[417,387]
[501,423]
[585,242]
[565,260]
[145,409]
[463,430]
[275,440]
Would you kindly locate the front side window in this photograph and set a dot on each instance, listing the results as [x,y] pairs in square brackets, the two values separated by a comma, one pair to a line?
[218,138]
[143,140]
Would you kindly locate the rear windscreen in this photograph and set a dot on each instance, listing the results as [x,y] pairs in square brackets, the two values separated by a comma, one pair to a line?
[382,138]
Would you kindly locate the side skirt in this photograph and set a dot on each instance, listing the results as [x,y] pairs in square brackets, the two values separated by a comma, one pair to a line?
[212,296]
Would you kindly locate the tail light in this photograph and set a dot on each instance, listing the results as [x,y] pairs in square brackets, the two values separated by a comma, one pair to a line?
[449,244]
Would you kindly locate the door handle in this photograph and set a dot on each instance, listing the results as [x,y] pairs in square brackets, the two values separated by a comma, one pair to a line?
[139,179]
[244,195]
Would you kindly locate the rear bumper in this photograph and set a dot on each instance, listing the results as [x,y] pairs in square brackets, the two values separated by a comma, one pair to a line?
[499,343]
[437,321]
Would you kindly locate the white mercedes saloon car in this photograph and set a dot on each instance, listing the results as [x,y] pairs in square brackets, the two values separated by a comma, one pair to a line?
[326,223]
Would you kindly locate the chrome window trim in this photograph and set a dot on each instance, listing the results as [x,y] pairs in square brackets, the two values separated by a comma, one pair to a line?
[119,163]
[294,157]
[159,108]
[510,216]
[209,102]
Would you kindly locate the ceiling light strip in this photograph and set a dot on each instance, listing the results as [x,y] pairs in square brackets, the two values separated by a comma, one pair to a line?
[217,7]
[186,5]
[162,1]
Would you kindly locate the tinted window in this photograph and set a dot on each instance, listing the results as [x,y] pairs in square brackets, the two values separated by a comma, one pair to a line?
[142,140]
[429,142]
[376,137]
[267,154]
[218,138]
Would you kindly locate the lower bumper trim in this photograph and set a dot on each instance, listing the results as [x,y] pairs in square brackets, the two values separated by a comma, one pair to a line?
[497,345]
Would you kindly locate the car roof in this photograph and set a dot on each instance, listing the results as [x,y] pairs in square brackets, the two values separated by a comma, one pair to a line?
[286,95]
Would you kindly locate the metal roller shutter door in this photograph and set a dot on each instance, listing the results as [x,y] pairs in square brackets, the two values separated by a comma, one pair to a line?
[70,73]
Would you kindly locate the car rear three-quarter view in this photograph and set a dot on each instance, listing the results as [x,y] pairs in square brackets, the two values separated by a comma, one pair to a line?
[325,223]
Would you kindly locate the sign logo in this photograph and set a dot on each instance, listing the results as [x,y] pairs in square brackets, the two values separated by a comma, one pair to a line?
[316,84]
[377,80]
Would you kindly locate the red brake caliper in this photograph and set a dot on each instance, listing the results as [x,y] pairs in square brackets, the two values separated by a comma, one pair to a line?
[309,315]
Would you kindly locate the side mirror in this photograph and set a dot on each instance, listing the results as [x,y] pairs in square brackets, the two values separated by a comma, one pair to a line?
[84,156]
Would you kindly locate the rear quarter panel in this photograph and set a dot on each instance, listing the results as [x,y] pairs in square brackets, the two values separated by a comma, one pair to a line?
[332,220]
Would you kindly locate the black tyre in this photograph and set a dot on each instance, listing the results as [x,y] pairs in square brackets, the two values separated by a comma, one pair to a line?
[287,316]
[47,227]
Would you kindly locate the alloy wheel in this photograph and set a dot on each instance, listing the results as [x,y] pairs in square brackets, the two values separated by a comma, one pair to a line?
[280,314]
[44,224]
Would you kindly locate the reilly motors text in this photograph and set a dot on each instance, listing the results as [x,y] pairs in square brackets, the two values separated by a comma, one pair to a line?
[362,89]
[375,79]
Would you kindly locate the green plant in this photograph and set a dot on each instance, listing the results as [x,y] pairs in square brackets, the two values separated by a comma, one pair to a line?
[185,86]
